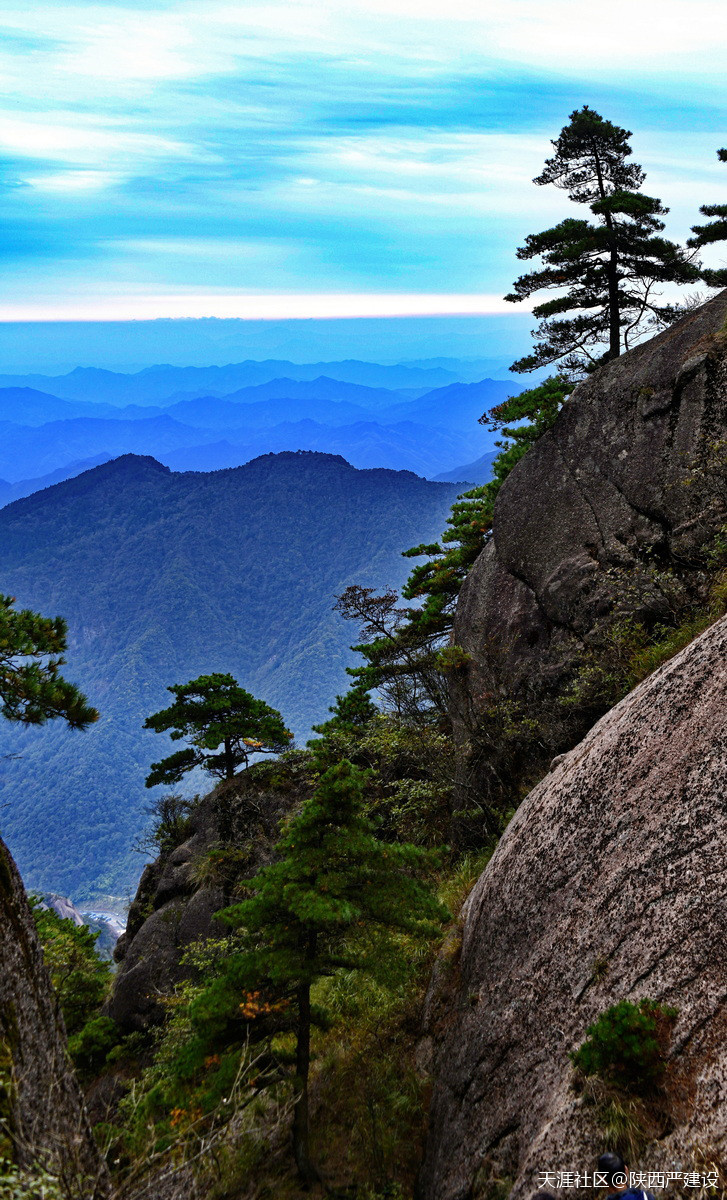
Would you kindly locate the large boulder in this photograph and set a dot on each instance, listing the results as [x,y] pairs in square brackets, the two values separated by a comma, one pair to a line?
[609,883]
[42,1118]
[611,516]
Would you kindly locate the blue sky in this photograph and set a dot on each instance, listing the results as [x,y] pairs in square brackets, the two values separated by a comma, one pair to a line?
[321,159]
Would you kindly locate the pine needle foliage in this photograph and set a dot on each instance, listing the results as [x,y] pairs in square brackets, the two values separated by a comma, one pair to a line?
[627,1045]
[32,690]
[224,723]
[714,231]
[607,270]
[331,901]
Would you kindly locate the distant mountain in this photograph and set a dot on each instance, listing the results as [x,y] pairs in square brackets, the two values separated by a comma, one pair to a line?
[162,577]
[26,406]
[403,446]
[229,413]
[474,473]
[467,370]
[43,437]
[237,433]
[457,406]
[26,452]
[320,388]
[17,491]
[155,384]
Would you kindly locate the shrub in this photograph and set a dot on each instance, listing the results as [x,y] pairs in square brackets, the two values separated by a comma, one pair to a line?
[88,1048]
[626,1046]
[171,824]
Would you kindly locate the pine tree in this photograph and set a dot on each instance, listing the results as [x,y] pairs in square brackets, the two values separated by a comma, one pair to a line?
[213,711]
[405,648]
[606,271]
[328,903]
[714,231]
[400,655]
[32,690]
[351,711]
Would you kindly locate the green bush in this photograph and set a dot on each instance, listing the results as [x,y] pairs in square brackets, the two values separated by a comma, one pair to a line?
[626,1046]
[89,1047]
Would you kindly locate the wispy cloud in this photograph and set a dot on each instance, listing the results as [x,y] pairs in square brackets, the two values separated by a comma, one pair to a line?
[300,146]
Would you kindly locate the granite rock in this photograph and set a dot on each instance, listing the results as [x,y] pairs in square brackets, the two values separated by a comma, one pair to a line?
[608,884]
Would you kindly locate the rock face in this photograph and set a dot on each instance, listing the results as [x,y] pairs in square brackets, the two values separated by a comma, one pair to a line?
[609,883]
[610,514]
[42,1119]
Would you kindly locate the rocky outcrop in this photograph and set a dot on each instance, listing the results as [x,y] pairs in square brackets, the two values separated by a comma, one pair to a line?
[610,516]
[179,893]
[42,1118]
[609,883]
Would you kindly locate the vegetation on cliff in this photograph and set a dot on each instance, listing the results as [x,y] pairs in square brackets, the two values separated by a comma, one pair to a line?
[406,649]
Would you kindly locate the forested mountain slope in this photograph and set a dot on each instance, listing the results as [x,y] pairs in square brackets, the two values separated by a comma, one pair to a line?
[162,577]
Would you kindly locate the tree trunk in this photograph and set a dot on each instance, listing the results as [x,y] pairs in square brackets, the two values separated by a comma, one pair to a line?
[229,760]
[301,1126]
[614,312]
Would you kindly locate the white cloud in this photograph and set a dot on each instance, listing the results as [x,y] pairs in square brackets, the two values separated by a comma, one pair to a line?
[83,142]
[226,117]
[121,46]
[73,182]
[256,307]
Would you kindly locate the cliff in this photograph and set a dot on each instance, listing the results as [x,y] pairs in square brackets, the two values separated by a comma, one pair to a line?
[608,884]
[602,532]
[42,1119]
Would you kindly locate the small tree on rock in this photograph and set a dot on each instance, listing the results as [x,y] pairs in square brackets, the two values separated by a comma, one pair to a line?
[225,725]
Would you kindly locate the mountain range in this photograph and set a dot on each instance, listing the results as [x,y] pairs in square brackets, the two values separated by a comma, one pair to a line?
[155,383]
[163,576]
[428,431]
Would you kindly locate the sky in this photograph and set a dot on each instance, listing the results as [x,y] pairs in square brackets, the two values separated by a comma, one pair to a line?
[341,158]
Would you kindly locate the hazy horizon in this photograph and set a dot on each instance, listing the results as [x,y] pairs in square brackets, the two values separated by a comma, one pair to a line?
[56,347]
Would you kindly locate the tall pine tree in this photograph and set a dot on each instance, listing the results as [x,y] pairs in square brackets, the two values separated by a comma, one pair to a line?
[714,231]
[607,270]
[327,903]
